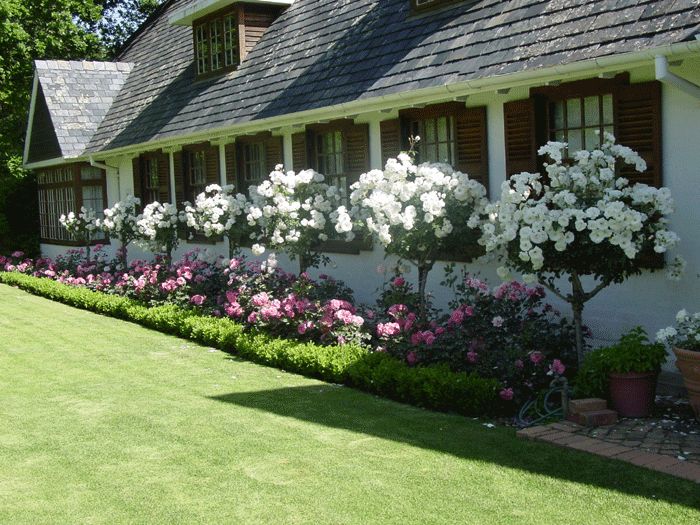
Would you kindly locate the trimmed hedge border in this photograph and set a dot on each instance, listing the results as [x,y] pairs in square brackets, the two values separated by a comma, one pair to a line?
[433,387]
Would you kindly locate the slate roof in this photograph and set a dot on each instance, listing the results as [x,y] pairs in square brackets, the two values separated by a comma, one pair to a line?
[325,52]
[78,96]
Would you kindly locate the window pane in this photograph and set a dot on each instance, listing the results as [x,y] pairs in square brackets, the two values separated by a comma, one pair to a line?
[607,109]
[443,152]
[592,110]
[592,138]
[575,140]
[429,132]
[558,113]
[442,129]
[573,112]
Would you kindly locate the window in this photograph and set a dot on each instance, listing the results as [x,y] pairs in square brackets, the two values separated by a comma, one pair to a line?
[66,189]
[196,174]
[424,5]
[254,164]
[216,44]
[581,121]
[329,158]
[437,143]
[151,180]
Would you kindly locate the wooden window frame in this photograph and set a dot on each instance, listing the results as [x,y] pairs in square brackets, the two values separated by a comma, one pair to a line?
[227,47]
[421,6]
[149,168]
[75,185]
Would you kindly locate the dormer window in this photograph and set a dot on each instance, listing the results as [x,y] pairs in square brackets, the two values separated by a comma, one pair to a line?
[424,5]
[216,44]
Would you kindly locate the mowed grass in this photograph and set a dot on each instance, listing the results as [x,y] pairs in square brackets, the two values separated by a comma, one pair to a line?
[102,421]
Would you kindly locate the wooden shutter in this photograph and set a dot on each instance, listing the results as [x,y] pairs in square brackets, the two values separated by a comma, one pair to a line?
[138,180]
[299,154]
[231,166]
[638,126]
[471,144]
[211,156]
[163,177]
[273,153]
[390,133]
[356,139]
[180,164]
[520,136]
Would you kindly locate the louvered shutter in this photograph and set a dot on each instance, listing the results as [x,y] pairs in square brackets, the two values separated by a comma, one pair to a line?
[138,181]
[520,136]
[211,155]
[299,153]
[273,153]
[231,166]
[638,126]
[471,144]
[390,133]
[357,151]
[180,163]
[163,177]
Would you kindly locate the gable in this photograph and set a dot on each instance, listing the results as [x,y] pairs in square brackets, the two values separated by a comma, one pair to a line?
[43,143]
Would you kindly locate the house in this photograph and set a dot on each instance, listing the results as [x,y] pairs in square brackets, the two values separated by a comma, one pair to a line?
[222,90]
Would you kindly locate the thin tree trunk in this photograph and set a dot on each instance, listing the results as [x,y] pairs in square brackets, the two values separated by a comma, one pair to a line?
[578,298]
[423,270]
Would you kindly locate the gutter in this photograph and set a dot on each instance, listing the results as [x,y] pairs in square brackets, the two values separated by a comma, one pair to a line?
[665,76]
[423,96]
[105,167]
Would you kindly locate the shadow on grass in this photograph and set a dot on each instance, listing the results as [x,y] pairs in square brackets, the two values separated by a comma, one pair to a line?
[344,408]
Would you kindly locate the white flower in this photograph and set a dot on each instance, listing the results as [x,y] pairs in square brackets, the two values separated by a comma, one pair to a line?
[257,249]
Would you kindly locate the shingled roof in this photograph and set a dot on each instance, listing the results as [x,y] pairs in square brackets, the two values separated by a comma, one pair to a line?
[321,53]
[77,97]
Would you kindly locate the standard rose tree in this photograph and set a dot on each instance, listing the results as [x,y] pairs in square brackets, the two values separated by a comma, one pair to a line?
[82,227]
[158,229]
[120,222]
[581,220]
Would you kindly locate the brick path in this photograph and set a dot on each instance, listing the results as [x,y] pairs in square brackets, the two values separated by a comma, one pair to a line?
[645,443]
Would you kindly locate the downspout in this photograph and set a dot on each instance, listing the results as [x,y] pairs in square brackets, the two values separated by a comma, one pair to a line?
[105,167]
[671,79]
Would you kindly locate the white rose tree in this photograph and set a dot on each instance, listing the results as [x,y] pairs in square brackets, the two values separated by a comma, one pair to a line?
[158,229]
[120,222]
[218,211]
[418,213]
[293,212]
[82,226]
[581,220]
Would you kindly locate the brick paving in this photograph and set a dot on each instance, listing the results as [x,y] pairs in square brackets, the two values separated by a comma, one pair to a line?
[665,445]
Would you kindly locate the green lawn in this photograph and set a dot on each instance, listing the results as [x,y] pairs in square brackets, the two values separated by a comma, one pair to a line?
[103,421]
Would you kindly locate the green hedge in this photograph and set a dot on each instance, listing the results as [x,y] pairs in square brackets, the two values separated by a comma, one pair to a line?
[434,387]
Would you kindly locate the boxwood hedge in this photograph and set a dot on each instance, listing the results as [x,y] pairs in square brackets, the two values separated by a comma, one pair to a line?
[434,387]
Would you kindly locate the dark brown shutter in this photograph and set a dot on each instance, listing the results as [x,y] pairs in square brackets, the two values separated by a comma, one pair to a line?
[180,163]
[357,151]
[638,126]
[390,133]
[520,136]
[273,153]
[163,177]
[299,156]
[211,155]
[471,142]
[231,166]
[138,181]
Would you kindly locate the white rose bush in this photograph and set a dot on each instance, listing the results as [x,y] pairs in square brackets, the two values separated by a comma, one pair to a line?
[686,333]
[581,220]
[120,222]
[417,212]
[293,212]
[82,226]
[158,229]
[218,211]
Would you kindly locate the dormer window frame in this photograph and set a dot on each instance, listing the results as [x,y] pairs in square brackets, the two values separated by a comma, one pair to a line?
[420,6]
[216,38]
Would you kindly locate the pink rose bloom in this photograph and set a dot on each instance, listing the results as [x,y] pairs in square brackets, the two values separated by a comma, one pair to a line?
[411,358]
[340,304]
[519,364]
[439,330]
[472,356]
[468,311]
[181,281]
[397,310]
[253,317]
[233,309]
[231,297]
[17,254]
[497,321]
[536,356]
[399,281]
[388,329]
[456,317]
[269,312]
[304,327]
[345,316]
[260,299]
[197,299]
[506,394]
[557,367]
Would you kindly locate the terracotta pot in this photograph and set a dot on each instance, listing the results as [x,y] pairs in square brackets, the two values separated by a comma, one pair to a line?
[688,362]
[632,393]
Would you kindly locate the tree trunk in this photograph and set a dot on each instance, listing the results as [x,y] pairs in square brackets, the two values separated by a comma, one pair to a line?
[423,270]
[578,299]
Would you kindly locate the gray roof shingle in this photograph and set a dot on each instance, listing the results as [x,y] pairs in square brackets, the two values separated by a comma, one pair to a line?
[325,52]
[78,96]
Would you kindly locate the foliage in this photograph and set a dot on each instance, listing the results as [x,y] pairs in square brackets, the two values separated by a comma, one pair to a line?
[685,335]
[417,212]
[293,212]
[120,222]
[432,387]
[120,19]
[158,228]
[581,220]
[632,353]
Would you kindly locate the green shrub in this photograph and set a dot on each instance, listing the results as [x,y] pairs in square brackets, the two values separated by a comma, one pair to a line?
[633,353]
[434,387]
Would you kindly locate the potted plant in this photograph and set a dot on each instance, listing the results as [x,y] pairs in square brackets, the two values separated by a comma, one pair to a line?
[628,372]
[684,339]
